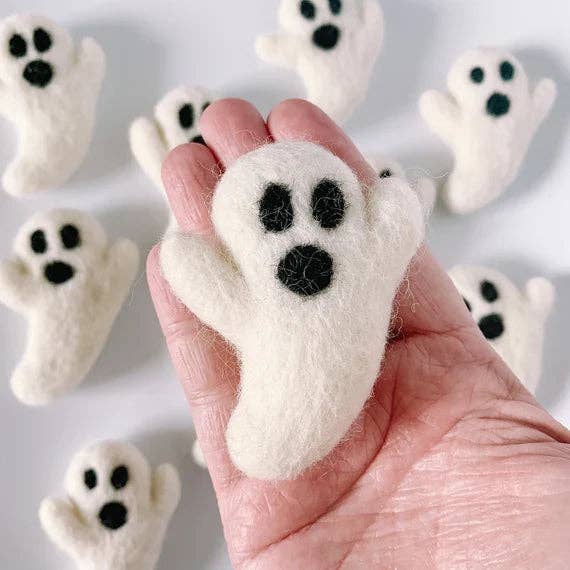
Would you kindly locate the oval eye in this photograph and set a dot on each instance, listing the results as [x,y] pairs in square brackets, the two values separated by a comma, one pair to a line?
[328,204]
[120,477]
[276,209]
[186,116]
[70,236]
[18,46]
[90,479]
[308,9]
[205,106]
[489,291]
[386,173]
[42,40]
[38,242]
[335,6]
[507,70]
[477,75]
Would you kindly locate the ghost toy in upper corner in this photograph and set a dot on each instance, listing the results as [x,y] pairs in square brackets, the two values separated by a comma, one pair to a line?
[176,121]
[302,285]
[513,321]
[70,285]
[488,119]
[48,89]
[333,45]
[389,168]
[117,511]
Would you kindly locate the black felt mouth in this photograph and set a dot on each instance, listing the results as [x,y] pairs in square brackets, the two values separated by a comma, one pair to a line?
[38,73]
[113,515]
[498,105]
[58,272]
[326,37]
[198,139]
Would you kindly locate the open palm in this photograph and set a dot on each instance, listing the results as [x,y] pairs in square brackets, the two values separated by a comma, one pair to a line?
[451,465]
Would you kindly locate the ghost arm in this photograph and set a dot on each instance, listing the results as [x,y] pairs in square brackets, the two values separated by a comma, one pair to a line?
[148,148]
[543,99]
[61,523]
[166,490]
[91,62]
[373,20]
[278,49]
[206,282]
[427,194]
[441,113]
[121,266]
[17,286]
[541,295]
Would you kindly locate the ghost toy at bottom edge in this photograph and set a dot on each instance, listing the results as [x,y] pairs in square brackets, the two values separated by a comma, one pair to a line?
[303,287]
[116,512]
[512,321]
[69,284]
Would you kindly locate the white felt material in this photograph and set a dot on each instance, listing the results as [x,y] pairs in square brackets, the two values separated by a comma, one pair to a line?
[310,333]
[48,89]
[116,512]
[332,44]
[488,119]
[198,455]
[69,284]
[493,299]
[424,186]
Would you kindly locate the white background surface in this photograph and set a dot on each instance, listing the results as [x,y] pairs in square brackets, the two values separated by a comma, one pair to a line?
[155,46]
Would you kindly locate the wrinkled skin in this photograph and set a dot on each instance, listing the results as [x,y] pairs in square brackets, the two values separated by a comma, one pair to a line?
[451,465]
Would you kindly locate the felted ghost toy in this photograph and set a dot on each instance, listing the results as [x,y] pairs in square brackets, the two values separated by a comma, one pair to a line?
[332,44]
[48,89]
[175,122]
[69,284]
[389,168]
[488,119]
[302,286]
[117,511]
[511,320]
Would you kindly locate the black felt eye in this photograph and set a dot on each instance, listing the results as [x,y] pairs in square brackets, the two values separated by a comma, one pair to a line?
[90,479]
[507,70]
[120,477]
[468,305]
[70,236]
[18,46]
[38,242]
[308,9]
[276,209]
[42,40]
[386,173]
[336,6]
[328,204]
[477,75]
[489,291]
[186,116]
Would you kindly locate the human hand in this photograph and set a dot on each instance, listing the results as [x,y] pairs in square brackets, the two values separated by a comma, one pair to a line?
[452,464]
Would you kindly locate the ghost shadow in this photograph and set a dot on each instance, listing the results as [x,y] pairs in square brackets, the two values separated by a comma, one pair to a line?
[130,89]
[394,87]
[195,532]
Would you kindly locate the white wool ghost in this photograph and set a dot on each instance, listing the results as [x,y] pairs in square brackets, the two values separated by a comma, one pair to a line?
[388,168]
[332,44]
[198,455]
[513,321]
[116,512]
[48,89]
[302,286]
[488,120]
[175,122]
[69,284]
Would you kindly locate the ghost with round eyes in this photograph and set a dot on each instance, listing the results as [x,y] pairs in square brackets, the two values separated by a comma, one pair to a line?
[116,512]
[48,89]
[332,44]
[513,321]
[302,286]
[175,122]
[488,119]
[69,284]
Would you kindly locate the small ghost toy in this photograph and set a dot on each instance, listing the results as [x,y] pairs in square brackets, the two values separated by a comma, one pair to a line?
[333,45]
[513,321]
[48,89]
[488,119]
[69,284]
[302,286]
[117,511]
